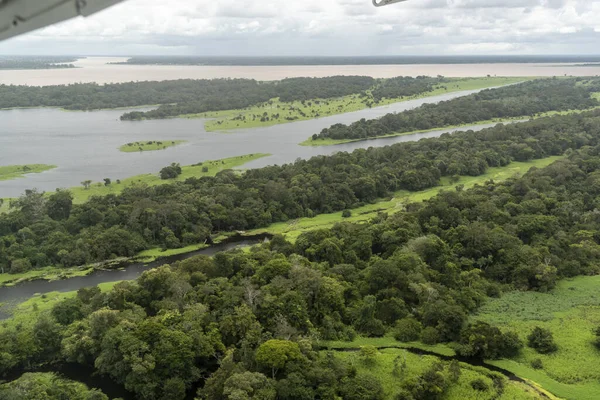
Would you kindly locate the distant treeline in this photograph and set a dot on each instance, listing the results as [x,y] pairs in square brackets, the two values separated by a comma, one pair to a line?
[526,99]
[42,231]
[351,60]
[225,94]
[38,62]
[195,96]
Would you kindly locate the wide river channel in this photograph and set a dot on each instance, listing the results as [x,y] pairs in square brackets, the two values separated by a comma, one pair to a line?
[84,145]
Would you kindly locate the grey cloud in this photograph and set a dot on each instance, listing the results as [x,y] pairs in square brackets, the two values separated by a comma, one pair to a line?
[327,27]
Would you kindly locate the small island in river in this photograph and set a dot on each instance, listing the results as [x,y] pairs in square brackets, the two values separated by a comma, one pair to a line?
[8,172]
[150,145]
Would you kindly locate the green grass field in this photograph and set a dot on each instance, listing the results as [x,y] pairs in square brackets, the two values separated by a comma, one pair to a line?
[293,229]
[571,311]
[206,168]
[18,171]
[415,364]
[275,112]
[151,145]
[331,142]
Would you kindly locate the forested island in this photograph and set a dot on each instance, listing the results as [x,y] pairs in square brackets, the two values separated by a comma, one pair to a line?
[258,323]
[37,62]
[523,100]
[241,103]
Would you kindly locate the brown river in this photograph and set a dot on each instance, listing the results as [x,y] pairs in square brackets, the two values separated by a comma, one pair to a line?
[98,69]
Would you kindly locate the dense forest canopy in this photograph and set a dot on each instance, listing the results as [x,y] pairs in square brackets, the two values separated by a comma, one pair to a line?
[243,325]
[525,99]
[51,230]
[196,96]
[225,93]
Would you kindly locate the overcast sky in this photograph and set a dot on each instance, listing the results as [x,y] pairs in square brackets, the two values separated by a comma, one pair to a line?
[324,27]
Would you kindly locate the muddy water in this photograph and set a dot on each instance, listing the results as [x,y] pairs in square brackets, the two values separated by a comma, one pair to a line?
[97,69]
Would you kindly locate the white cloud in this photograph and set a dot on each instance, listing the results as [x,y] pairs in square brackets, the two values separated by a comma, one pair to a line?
[324,27]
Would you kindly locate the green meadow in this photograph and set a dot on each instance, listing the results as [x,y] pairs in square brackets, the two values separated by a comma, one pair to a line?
[18,171]
[151,145]
[275,112]
[383,365]
[206,168]
[571,311]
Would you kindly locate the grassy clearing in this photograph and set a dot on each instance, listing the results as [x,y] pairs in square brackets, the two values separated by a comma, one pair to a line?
[27,312]
[293,229]
[384,364]
[386,341]
[571,311]
[18,171]
[206,168]
[331,142]
[151,145]
[275,112]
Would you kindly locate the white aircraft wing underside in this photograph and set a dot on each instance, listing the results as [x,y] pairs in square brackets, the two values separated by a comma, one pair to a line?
[21,16]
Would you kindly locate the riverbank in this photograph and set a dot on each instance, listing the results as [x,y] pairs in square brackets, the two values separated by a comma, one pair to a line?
[275,112]
[206,168]
[9,172]
[331,142]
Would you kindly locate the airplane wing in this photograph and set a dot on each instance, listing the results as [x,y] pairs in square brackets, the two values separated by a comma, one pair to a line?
[21,16]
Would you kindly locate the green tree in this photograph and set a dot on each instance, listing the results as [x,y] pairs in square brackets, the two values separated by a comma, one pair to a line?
[275,354]
[407,330]
[59,204]
[542,340]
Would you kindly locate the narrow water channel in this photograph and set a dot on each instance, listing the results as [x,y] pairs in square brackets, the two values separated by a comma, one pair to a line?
[12,295]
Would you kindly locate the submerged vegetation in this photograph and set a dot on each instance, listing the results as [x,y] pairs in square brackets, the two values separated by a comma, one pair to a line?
[150,145]
[18,171]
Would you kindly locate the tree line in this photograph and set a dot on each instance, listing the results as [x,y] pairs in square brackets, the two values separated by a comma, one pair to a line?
[51,230]
[187,96]
[522,100]
[247,325]
[191,96]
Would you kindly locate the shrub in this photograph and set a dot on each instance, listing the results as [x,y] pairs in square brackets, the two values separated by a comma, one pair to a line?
[346,214]
[407,330]
[541,340]
[482,340]
[479,385]
[368,354]
[20,265]
[537,364]
[430,335]
[170,172]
